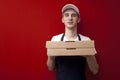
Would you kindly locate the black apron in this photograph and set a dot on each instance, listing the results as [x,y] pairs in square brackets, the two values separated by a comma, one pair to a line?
[70,67]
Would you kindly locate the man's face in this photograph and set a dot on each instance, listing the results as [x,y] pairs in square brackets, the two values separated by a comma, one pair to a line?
[70,18]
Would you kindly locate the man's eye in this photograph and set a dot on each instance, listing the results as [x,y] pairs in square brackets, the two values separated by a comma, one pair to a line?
[74,15]
[66,15]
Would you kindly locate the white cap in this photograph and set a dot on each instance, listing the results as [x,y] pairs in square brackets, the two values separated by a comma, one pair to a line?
[70,6]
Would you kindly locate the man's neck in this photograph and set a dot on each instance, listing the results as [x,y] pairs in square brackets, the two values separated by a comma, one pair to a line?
[71,34]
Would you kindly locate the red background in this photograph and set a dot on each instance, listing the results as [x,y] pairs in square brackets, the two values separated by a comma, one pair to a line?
[25,26]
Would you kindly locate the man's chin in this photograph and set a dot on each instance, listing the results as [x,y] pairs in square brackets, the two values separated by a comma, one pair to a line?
[70,27]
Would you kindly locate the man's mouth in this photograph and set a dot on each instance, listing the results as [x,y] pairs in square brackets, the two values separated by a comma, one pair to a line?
[69,22]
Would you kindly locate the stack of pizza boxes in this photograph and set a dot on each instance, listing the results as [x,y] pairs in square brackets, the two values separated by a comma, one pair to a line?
[70,48]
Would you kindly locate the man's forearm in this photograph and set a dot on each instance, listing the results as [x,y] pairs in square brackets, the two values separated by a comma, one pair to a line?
[51,63]
[92,63]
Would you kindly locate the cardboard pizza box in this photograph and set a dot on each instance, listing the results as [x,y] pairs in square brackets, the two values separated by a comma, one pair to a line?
[70,48]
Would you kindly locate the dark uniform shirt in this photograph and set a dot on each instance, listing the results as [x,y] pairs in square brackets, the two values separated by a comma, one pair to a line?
[70,67]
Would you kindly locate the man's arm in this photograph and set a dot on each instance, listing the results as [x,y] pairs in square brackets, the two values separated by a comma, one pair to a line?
[51,63]
[92,63]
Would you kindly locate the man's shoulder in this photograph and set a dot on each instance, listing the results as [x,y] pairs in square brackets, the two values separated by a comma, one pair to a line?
[57,37]
[84,38]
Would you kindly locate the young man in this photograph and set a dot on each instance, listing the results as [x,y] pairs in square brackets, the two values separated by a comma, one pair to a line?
[71,67]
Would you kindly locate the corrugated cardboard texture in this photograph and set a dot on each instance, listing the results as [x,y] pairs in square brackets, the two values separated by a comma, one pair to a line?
[77,48]
[70,52]
[69,44]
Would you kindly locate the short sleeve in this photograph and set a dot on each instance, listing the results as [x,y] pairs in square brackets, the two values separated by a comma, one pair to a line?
[53,38]
[56,37]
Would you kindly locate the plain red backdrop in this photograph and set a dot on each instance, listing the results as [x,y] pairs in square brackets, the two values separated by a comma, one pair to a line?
[25,26]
